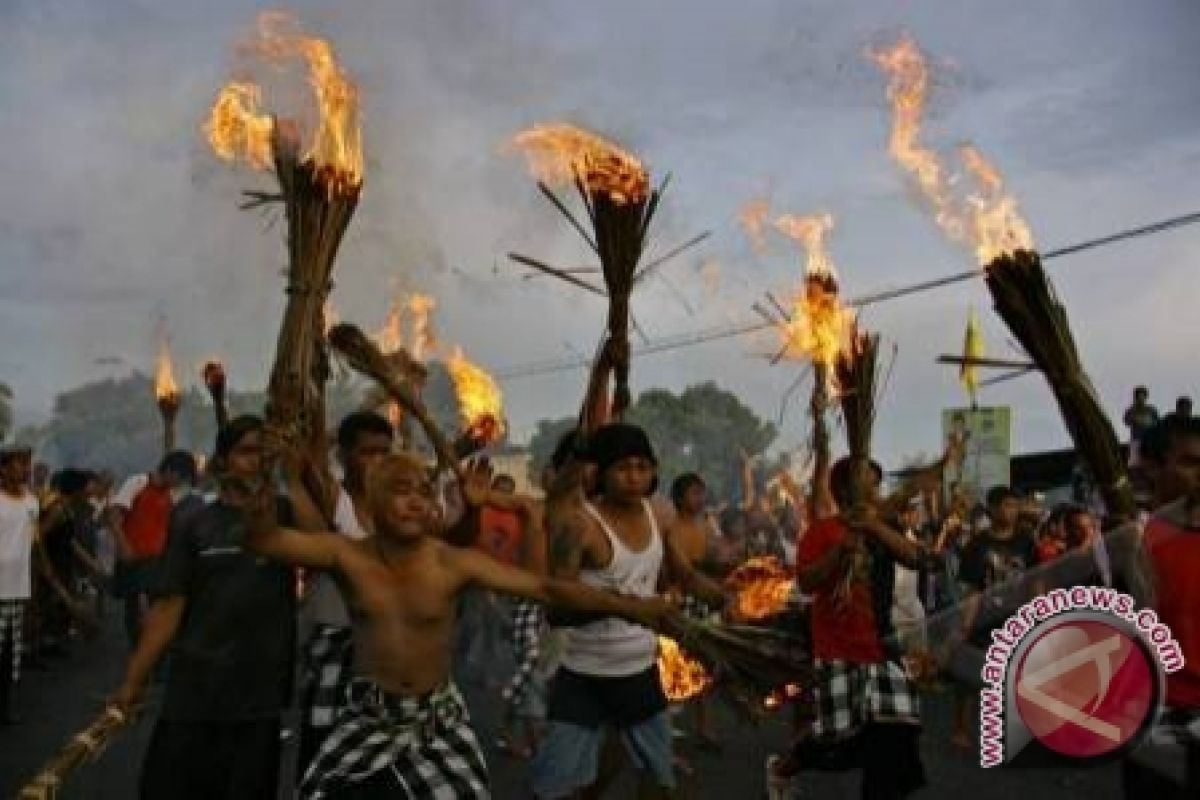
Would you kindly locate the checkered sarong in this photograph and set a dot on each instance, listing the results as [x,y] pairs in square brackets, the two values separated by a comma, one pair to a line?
[326,671]
[12,620]
[426,742]
[850,695]
[527,618]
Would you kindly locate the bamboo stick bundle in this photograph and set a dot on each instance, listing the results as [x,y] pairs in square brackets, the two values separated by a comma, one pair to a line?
[749,664]
[364,356]
[1027,303]
[319,189]
[614,188]
[83,747]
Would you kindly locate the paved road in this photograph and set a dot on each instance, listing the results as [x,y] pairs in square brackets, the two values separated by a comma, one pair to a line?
[64,697]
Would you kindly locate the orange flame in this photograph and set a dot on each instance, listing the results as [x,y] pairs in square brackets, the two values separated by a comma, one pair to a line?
[753,216]
[780,696]
[165,387]
[981,215]
[682,678]
[237,128]
[480,403]
[820,324]
[422,306]
[559,153]
[762,586]
[390,337]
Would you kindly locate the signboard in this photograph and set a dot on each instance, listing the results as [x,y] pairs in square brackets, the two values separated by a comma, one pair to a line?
[988,432]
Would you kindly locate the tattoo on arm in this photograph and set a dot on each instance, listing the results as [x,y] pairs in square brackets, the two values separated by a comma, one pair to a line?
[566,548]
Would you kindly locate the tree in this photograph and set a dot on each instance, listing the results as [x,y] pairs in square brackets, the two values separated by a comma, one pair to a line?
[701,430]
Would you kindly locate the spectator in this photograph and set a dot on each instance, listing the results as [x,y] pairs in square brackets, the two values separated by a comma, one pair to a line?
[138,518]
[1139,418]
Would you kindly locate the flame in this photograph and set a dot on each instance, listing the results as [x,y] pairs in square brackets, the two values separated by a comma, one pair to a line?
[780,696]
[753,217]
[682,677]
[390,337]
[820,324]
[480,403]
[997,227]
[762,586]
[165,387]
[238,128]
[421,306]
[559,153]
[975,210]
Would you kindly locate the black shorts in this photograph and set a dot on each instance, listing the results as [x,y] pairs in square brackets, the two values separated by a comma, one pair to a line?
[212,761]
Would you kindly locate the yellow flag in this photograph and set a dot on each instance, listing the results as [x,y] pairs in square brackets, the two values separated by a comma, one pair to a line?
[972,349]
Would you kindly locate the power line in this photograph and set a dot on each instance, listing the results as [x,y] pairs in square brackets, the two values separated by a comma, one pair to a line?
[703,336]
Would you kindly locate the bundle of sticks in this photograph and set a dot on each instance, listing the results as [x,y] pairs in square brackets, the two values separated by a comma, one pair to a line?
[85,746]
[750,664]
[319,201]
[365,357]
[1027,303]
[614,188]
[857,378]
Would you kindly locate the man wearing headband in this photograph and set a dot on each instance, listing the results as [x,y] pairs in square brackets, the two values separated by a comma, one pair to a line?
[609,676]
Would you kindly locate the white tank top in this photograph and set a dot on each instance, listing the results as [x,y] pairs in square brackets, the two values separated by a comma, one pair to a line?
[612,647]
[325,600]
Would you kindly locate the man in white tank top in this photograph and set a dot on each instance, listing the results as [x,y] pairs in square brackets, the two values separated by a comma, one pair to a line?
[608,678]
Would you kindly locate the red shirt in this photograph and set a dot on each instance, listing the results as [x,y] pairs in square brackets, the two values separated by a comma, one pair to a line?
[842,628]
[146,522]
[500,535]
[1175,554]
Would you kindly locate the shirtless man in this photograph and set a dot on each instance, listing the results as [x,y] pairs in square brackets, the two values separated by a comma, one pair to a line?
[692,532]
[404,730]
[609,676]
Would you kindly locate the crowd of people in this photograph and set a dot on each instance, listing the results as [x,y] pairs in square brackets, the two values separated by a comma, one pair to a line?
[382,586]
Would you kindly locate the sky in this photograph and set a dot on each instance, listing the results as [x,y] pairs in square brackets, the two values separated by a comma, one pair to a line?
[115,213]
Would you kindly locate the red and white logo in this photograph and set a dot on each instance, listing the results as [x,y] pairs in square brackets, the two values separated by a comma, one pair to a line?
[1086,688]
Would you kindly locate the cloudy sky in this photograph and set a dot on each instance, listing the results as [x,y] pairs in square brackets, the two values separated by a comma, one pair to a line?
[115,213]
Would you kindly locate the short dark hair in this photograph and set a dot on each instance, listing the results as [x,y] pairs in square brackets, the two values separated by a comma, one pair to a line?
[1141,390]
[681,485]
[13,453]
[998,494]
[841,480]
[569,447]
[360,422]
[179,463]
[1183,401]
[237,429]
[70,481]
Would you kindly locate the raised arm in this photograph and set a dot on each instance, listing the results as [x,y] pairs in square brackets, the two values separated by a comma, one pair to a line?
[265,536]
[480,569]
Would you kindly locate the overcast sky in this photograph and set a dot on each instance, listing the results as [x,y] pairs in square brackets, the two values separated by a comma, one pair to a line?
[114,212]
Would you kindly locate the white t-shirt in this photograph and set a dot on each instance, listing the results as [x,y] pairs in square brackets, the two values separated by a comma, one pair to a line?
[324,599]
[18,525]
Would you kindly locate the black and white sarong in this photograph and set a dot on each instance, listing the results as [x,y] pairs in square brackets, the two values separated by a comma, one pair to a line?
[12,621]
[527,626]
[426,743]
[326,671]
[850,695]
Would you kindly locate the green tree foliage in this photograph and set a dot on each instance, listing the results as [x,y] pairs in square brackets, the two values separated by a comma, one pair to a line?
[700,430]
[114,423]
